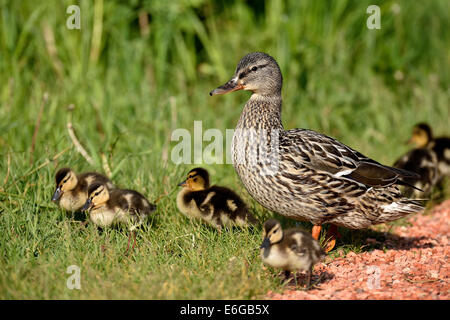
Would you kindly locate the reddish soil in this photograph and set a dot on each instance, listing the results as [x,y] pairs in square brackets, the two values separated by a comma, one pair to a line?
[414,265]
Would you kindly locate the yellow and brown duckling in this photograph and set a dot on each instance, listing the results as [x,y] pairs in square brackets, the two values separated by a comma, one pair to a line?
[422,161]
[72,190]
[218,206]
[303,174]
[117,206]
[291,250]
[422,137]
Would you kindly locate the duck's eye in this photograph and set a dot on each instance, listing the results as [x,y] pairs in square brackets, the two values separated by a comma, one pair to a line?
[254,68]
[195,179]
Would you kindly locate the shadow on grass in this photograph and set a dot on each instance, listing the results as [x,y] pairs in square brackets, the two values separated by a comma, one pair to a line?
[79,216]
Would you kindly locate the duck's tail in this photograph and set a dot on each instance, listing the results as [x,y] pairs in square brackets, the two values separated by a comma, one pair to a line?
[401,208]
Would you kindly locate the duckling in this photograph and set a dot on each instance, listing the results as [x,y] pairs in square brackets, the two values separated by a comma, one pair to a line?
[422,137]
[218,206]
[303,174]
[290,250]
[422,161]
[108,207]
[72,190]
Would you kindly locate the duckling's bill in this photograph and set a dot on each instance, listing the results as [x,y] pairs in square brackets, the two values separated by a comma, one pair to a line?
[57,194]
[87,205]
[265,243]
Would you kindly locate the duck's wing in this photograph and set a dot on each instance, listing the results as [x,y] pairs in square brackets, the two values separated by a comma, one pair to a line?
[322,153]
[440,146]
[119,200]
[85,180]
[202,199]
[226,200]
[301,243]
[296,242]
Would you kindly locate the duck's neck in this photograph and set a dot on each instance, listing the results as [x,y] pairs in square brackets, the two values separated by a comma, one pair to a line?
[261,112]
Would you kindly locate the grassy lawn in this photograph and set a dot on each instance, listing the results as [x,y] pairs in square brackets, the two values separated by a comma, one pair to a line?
[136,72]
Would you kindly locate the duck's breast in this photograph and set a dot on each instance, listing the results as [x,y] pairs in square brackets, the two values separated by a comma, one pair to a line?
[189,209]
[274,257]
[72,201]
[103,217]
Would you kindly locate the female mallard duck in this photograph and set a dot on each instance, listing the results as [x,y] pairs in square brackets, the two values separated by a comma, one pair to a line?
[303,174]
[422,137]
[218,206]
[110,207]
[422,161]
[72,190]
[290,250]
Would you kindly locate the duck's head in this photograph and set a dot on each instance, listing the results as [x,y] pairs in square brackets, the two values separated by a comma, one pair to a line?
[97,195]
[66,180]
[197,179]
[257,72]
[421,135]
[272,233]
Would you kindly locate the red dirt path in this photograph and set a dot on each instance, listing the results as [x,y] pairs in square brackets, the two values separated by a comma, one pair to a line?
[414,266]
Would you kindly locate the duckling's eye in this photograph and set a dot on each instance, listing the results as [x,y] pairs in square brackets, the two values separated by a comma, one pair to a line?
[195,179]
[254,68]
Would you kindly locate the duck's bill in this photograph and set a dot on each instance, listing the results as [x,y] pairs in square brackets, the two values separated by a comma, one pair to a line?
[57,194]
[87,205]
[413,142]
[182,184]
[230,86]
[265,244]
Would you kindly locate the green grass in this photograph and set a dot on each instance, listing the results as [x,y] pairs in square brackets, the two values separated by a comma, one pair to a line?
[131,88]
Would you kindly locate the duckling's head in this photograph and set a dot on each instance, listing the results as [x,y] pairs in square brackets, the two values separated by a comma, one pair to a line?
[257,72]
[421,135]
[66,180]
[97,195]
[197,179]
[272,233]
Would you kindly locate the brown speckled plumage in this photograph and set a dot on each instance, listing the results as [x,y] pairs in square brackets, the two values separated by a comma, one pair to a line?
[307,176]
[121,206]
[112,207]
[218,206]
[72,194]
[424,162]
[291,250]
[422,137]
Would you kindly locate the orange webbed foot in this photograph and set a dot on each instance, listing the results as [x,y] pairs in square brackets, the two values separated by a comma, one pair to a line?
[332,236]
[316,232]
